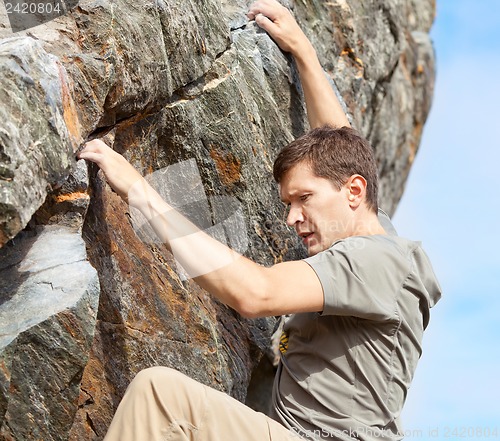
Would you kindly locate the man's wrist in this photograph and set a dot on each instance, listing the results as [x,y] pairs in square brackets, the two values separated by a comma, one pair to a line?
[304,54]
[144,198]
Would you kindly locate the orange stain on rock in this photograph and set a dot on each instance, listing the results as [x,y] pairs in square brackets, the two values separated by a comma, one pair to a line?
[349,51]
[70,114]
[71,197]
[417,134]
[228,166]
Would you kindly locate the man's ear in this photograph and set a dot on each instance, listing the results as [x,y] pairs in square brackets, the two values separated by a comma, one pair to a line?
[356,190]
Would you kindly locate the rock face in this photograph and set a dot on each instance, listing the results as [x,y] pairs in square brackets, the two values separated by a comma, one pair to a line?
[35,143]
[168,82]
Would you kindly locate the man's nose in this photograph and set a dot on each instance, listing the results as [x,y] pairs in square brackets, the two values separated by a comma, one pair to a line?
[295,215]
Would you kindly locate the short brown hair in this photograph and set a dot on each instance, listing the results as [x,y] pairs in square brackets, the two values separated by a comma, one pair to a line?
[334,154]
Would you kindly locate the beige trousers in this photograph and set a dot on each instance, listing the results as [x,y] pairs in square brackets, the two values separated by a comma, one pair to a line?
[162,404]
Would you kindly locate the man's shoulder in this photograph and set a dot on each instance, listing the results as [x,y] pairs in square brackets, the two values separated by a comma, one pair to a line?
[368,255]
[376,243]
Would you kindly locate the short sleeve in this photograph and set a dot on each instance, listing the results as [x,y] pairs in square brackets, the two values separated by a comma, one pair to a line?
[361,277]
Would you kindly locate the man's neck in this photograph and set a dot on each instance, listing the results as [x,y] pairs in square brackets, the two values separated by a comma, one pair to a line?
[368,224]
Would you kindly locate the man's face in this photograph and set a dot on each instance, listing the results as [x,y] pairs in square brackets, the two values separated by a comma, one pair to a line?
[317,210]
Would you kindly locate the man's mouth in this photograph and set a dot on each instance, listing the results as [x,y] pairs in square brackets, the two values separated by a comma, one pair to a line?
[306,237]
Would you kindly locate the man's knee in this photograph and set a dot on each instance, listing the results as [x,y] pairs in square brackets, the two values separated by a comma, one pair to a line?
[157,376]
[168,390]
[163,379]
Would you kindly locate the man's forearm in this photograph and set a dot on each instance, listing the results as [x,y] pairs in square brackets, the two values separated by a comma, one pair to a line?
[323,106]
[230,277]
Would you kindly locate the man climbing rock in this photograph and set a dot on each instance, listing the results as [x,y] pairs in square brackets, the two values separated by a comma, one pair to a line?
[358,304]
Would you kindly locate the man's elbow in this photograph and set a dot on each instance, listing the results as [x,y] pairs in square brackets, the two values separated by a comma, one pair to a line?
[253,296]
[254,305]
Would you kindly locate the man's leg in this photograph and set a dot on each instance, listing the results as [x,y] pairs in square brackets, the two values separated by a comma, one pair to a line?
[162,404]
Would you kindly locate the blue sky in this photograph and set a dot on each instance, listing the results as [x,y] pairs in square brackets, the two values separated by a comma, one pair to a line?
[452,204]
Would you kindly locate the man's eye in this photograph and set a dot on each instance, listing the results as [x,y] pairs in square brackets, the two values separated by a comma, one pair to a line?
[304,197]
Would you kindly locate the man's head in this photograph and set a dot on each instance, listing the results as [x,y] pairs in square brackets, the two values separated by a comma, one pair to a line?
[325,177]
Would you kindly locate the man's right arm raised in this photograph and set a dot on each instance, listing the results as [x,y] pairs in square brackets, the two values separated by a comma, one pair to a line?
[323,107]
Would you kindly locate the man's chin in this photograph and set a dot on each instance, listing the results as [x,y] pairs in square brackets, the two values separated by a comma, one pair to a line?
[313,250]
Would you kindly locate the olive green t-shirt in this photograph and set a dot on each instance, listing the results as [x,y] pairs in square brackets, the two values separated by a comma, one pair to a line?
[346,371]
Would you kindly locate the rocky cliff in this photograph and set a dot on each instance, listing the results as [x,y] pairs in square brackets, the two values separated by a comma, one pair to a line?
[85,300]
